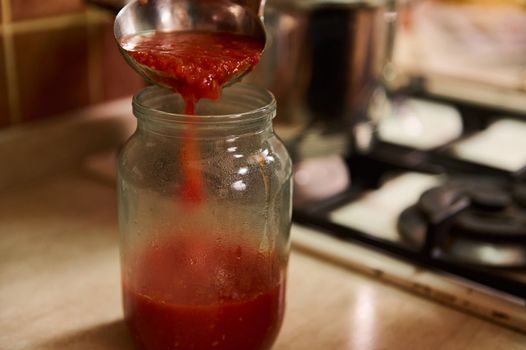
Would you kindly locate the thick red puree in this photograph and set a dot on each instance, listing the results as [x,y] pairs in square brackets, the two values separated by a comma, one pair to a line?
[197,65]
[194,64]
[190,295]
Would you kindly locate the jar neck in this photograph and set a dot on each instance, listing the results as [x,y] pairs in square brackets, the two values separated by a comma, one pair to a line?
[221,130]
[242,110]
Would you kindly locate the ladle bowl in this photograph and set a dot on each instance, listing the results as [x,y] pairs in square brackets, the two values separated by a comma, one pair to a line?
[187,15]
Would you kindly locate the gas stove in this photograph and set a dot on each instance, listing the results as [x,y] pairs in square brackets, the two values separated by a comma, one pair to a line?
[469,220]
[457,207]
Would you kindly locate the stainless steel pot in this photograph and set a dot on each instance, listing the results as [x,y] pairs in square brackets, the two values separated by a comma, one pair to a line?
[323,62]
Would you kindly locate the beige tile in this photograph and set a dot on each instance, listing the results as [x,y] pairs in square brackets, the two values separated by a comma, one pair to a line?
[52,70]
[29,9]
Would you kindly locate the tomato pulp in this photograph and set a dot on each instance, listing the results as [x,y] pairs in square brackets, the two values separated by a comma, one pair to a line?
[193,295]
[197,65]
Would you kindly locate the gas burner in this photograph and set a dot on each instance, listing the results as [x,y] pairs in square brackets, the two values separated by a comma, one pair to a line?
[470,220]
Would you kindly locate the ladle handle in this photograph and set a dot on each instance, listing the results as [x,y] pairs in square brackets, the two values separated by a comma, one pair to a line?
[258,6]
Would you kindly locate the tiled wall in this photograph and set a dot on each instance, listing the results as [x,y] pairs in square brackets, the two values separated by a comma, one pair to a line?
[57,56]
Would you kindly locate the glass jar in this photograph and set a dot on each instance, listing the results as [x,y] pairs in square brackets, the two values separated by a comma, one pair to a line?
[204,214]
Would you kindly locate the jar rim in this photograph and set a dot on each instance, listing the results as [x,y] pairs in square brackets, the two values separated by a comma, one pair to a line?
[263,101]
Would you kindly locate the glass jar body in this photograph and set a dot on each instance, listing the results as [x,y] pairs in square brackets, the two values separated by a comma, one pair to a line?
[206,270]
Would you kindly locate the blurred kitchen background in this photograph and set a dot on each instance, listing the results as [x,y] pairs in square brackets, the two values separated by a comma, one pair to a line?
[57,56]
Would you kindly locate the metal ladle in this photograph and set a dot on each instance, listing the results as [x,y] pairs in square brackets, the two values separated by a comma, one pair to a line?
[232,16]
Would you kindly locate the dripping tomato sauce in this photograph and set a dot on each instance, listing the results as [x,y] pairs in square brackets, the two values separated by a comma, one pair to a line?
[195,295]
[197,65]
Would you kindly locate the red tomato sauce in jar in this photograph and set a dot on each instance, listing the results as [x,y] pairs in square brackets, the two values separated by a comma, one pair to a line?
[192,295]
[197,65]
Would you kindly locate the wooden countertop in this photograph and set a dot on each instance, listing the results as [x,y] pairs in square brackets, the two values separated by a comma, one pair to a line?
[59,286]
[59,268]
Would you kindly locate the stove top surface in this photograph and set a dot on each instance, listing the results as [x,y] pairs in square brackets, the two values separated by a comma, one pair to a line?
[469,220]
[438,208]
